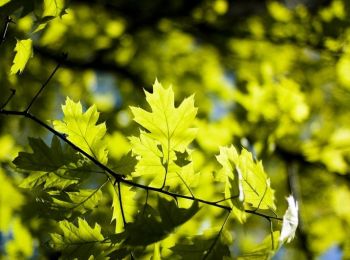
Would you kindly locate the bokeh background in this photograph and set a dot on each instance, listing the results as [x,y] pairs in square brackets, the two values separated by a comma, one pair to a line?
[271,76]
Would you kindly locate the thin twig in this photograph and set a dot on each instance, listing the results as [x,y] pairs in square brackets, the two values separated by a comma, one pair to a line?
[64,56]
[4,30]
[13,92]
[121,203]
[216,238]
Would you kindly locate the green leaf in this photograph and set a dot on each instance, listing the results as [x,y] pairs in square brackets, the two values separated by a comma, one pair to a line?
[80,241]
[125,165]
[83,200]
[246,182]
[166,123]
[206,246]
[265,250]
[48,180]
[52,8]
[182,159]
[129,206]
[82,130]
[168,133]
[44,157]
[148,227]
[24,51]
[59,165]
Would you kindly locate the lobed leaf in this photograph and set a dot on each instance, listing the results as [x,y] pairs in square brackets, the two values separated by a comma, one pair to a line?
[44,157]
[161,149]
[205,246]
[246,182]
[149,227]
[81,241]
[82,129]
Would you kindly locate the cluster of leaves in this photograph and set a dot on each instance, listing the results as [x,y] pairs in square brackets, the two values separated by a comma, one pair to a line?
[161,160]
[270,77]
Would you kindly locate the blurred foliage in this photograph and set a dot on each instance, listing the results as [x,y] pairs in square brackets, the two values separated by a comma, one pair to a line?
[270,76]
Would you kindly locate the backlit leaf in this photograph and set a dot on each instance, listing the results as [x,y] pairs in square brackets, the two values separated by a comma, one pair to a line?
[81,241]
[82,129]
[246,182]
[290,221]
[168,133]
[24,52]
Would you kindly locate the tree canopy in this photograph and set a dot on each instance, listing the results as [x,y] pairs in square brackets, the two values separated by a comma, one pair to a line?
[203,129]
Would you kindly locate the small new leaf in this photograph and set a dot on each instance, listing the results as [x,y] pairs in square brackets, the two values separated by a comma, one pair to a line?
[24,51]
[82,129]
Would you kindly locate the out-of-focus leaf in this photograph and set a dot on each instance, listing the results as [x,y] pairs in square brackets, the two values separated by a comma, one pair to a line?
[24,51]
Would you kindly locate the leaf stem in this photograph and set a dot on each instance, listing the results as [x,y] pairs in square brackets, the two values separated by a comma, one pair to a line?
[216,238]
[64,56]
[13,92]
[121,203]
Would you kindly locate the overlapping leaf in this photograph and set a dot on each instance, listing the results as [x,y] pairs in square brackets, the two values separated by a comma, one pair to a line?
[168,133]
[129,207]
[81,201]
[24,51]
[246,182]
[57,166]
[44,157]
[169,125]
[210,245]
[80,241]
[82,129]
[155,225]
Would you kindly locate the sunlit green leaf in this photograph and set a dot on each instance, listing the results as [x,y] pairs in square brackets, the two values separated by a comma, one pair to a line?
[82,129]
[24,52]
[81,241]
[246,182]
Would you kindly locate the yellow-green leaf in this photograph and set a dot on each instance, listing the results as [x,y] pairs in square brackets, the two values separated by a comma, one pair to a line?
[168,124]
[168,134]
[24,51]
[246,182]
[82,129]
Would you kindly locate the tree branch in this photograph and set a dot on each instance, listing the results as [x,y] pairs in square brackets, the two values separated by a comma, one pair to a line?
[118,177]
